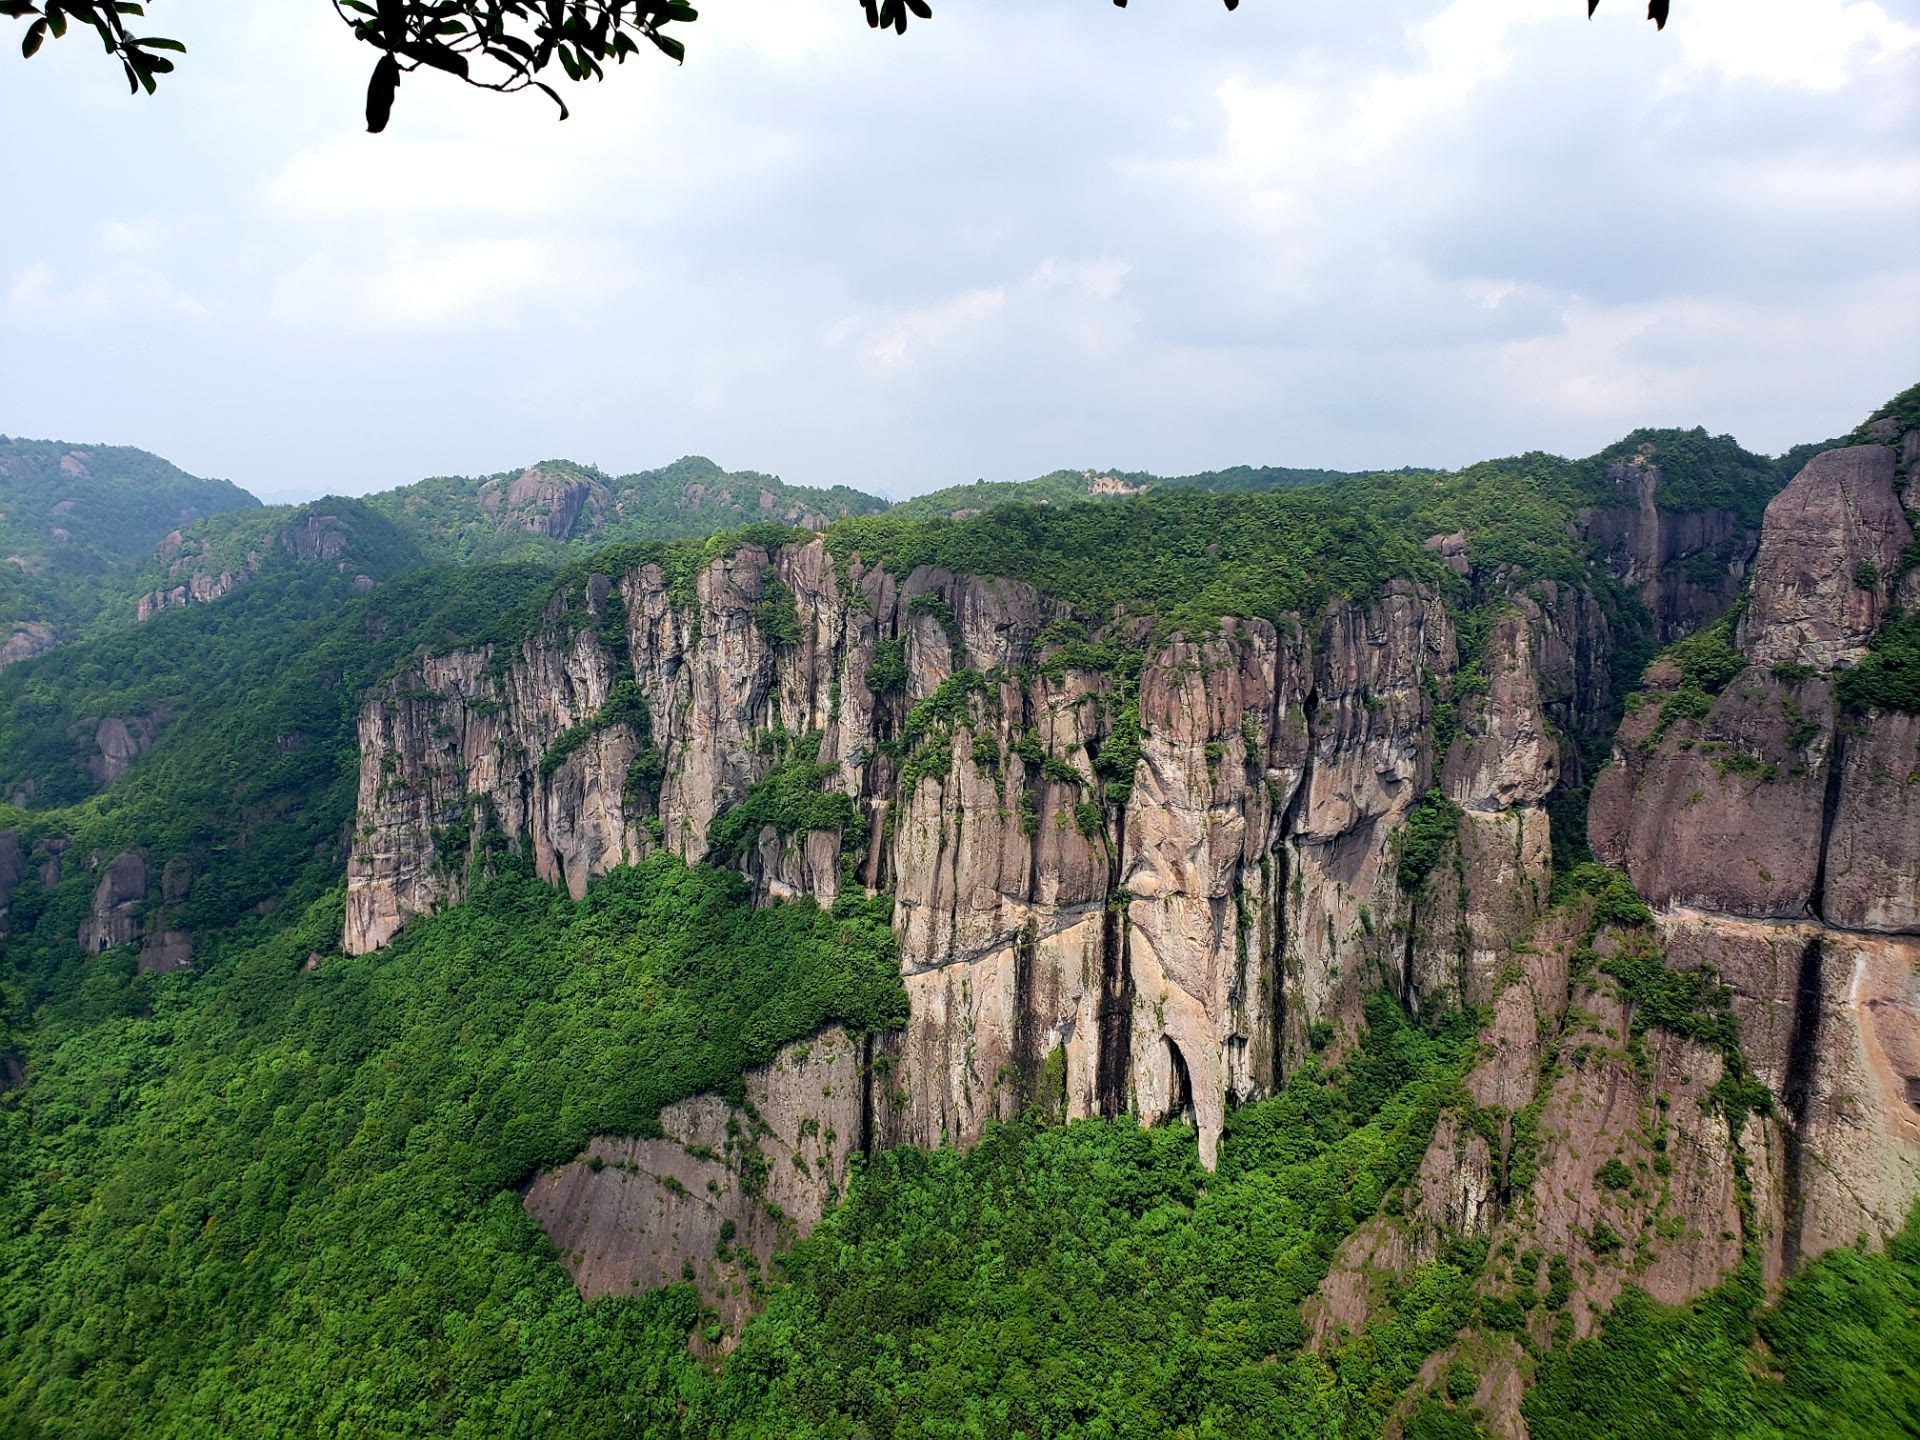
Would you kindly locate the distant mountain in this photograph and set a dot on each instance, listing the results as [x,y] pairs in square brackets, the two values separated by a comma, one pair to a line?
[99,536]
[559,503]
[71,516]
[345,537]
[1068,487]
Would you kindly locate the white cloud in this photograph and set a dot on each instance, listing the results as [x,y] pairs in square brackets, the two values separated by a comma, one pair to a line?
[1018,237]
[1813,44]
[458,285]
[147,235]
[37,296]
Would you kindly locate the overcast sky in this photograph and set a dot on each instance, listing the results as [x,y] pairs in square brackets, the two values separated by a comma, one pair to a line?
[1028,234]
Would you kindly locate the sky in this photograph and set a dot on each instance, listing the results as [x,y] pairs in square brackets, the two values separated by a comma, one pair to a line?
[1023,236]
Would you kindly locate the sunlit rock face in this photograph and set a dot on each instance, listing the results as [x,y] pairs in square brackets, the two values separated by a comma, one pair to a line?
[1149,890]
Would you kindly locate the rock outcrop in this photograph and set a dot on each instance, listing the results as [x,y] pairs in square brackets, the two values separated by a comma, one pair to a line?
[1779,841]
[721,1188]
[547,502]
[1166,879]
[26,639]
[1825,574]
[1686,566]
[193,587]
[114,916]
[119,742]
[340,534]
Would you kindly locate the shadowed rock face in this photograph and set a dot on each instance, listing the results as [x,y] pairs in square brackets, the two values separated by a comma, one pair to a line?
[1780,840]
[1659,553]
[114,918]
[13,869]
[1870,880]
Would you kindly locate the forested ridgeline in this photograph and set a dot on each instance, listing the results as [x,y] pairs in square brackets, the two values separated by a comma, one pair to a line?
[277,1192]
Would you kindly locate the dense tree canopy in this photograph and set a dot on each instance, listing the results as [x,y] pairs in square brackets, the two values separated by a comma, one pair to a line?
[503,45]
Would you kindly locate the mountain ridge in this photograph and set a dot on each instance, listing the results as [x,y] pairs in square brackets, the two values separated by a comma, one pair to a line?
[184,557]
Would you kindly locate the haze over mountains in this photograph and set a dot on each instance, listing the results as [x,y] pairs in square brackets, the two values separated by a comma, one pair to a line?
[95,535]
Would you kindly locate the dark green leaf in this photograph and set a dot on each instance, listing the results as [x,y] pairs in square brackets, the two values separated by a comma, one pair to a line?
[380,92]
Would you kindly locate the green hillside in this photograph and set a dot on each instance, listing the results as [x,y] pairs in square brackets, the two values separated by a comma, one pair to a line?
[558,503]
[73,516]
[250,1199]
[1068,487]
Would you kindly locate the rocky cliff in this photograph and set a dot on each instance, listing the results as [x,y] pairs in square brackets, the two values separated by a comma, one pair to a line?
[1141,872]
[1776,834]
[1685,563]
[199,566]
[1166,872]
[1730,1075]
[1132,873]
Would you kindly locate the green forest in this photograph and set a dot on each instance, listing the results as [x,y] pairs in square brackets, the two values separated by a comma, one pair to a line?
[273,1200]
[278,1194]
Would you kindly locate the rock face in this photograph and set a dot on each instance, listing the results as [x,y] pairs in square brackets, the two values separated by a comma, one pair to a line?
[199,572]
[26,639]
[720,1190]
[1824,577]
[195,589]
[120,742]
[1724,812]
[114,917]
[1779,840]
[1166,881]
[1687,566]
[559,504]
[1124,890]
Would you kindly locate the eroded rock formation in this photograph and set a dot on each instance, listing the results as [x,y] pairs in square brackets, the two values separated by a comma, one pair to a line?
[26,639]
[114,917]
[713,1196]
[1147,884]
[1686,566]
[1778,841]
[1167,878]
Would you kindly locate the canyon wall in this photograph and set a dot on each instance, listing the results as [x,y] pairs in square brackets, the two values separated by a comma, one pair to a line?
[1168,876]
[1777,836]
[1686,566]
[1148,887]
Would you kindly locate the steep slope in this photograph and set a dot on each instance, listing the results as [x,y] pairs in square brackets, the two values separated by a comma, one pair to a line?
[1164,854]
[71,516]
[1234,827]
[1683,523]
[201,563]
[1137,866]
[1768,823]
